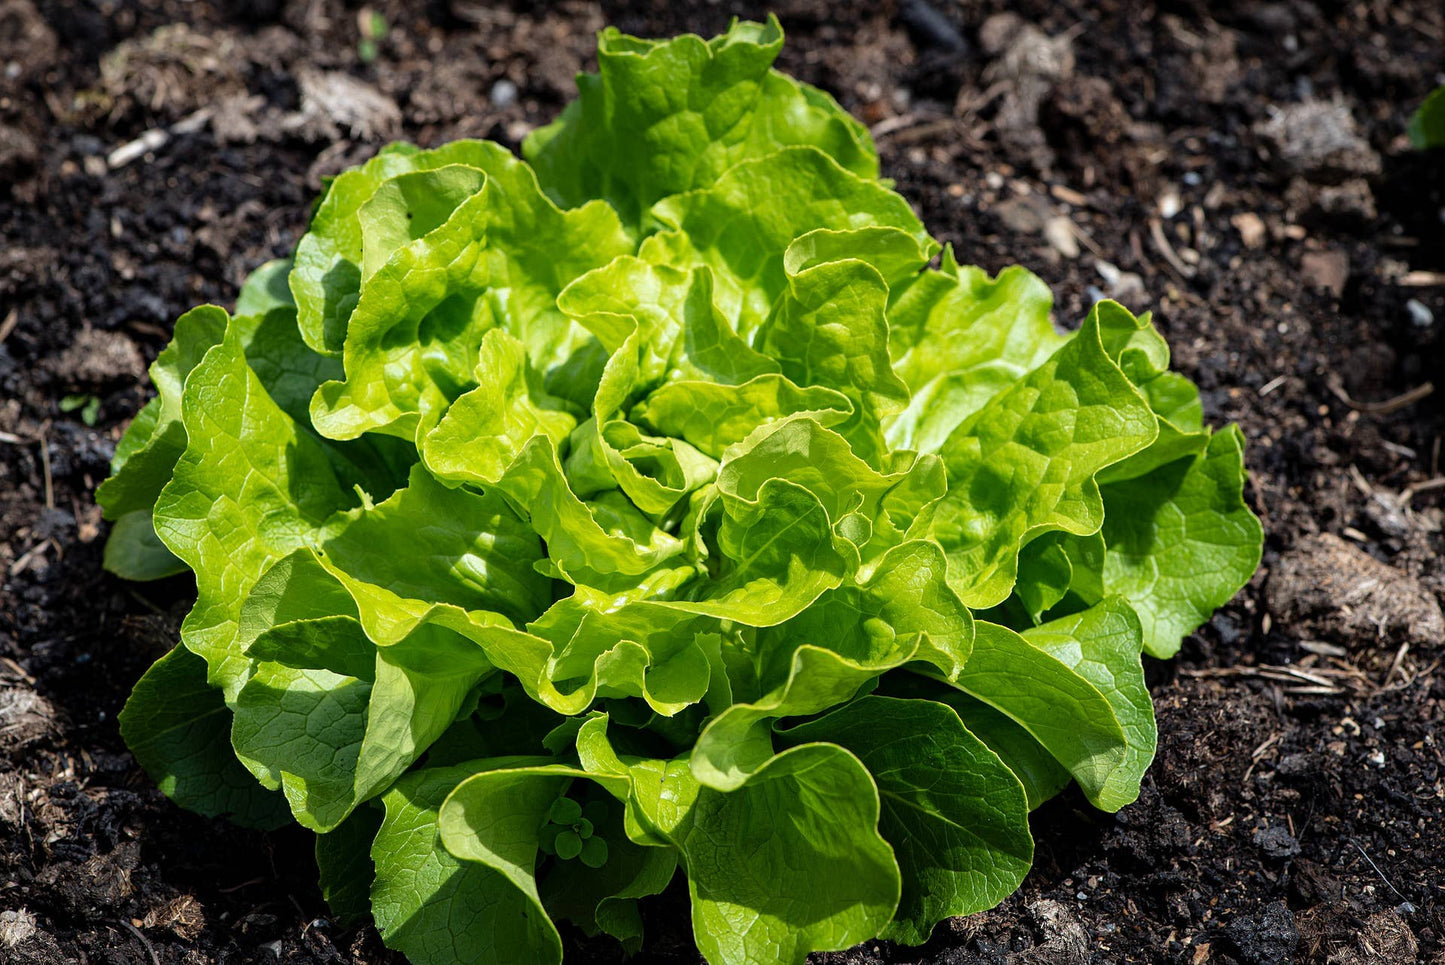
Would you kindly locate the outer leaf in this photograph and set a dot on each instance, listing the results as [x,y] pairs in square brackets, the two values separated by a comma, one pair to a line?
[1025,463]
[790,862]
[439,910]
[134,552]
[955,814]
[251,487]
[1181,541]
[343,859]
[606,898]
[308,726]
[266,288]
[1103,645]
[494,818]
[147,453]
[299,616]
[1042,776]
[330,739]
[1143,355]
[176,724]
[1061,709]
[421,685]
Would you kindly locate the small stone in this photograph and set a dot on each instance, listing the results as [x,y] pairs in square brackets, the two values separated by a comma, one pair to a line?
[1026,214]
[1420,314]
[1250,227]
[1123,285]
[1170,204]
[503,94]
[1059,233]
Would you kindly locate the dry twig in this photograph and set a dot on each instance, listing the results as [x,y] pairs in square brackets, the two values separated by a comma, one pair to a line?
[1380,408]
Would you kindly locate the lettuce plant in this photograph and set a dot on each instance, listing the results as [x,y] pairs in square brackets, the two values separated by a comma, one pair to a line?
[651,506]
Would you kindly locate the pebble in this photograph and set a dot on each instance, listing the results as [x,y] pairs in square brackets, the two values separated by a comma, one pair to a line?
[1025,214]
[1059,232]
[504,94]
[1250,227]
[1170,204]
[1420,313]
[1123,285]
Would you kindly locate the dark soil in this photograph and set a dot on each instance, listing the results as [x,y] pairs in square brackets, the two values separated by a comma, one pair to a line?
[1238,168]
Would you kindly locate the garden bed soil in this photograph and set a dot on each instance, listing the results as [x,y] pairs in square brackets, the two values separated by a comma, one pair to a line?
[1238,168]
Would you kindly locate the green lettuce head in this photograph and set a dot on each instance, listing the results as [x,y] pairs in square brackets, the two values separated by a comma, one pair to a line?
[651,506]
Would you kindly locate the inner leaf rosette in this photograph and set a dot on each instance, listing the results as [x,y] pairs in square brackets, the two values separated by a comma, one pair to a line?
[667,502]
